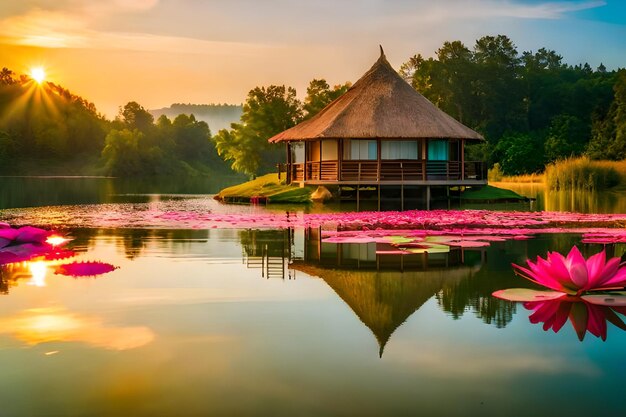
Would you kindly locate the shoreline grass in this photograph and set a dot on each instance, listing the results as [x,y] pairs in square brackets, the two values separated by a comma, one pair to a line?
[583,173]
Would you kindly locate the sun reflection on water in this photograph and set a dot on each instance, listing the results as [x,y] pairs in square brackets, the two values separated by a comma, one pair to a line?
[38,271]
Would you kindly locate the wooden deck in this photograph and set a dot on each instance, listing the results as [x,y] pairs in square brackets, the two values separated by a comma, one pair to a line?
[389,172]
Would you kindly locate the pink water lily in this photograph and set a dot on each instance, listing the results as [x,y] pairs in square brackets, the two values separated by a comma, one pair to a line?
[573,274]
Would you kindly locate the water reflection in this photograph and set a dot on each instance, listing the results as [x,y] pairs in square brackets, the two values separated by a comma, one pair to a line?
[382,289]
[584,316]
[576,201]
[57,324]
[19,192]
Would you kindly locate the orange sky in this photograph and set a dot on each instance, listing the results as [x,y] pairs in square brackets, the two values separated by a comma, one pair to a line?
[158,52]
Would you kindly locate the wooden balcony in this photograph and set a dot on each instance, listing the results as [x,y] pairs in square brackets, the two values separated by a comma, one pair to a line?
[389,171]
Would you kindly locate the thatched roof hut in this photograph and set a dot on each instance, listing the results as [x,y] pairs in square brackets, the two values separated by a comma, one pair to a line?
[379,105]
[384,300]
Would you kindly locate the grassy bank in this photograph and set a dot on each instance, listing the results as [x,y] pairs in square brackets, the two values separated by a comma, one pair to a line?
[489,193]
[267,186]
[583,173]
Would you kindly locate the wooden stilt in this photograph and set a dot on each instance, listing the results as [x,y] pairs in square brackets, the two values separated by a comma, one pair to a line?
[378,197]
[428,197]
[401,197]
[358,198]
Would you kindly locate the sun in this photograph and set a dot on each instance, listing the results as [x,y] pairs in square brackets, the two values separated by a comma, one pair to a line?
[38,74]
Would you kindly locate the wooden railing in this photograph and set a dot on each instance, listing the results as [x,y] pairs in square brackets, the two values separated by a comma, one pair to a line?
[475,170]
[388,170]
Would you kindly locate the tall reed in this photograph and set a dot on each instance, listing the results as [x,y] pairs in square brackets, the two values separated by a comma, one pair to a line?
[583,173]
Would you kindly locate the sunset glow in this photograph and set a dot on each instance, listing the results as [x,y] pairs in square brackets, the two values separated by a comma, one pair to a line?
[55,240]
[38,74]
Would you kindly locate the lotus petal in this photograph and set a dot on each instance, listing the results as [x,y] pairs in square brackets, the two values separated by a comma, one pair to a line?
[28,234]
[579,317]
[10,234]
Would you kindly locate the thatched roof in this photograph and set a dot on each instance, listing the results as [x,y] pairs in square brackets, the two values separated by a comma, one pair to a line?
[384,300]
[379,105]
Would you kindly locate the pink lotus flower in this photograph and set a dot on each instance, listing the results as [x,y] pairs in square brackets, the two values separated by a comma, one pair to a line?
[573,274]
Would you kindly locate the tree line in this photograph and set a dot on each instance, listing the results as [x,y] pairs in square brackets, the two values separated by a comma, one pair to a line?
[46,123]
[531,108]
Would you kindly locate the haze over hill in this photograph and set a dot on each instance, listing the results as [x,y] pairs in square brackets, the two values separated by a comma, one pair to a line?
[217,116]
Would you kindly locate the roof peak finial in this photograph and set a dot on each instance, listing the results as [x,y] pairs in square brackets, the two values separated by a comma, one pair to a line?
[382,53]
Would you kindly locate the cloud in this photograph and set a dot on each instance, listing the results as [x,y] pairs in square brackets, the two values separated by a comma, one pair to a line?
[74,24]
[74,29]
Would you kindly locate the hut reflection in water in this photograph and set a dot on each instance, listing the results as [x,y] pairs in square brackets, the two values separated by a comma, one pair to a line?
[383,290]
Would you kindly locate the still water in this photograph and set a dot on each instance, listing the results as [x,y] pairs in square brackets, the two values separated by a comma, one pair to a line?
[280,323]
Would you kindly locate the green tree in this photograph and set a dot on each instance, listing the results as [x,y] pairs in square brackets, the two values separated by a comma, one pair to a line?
[127,153]
[134,116]
[567,136]
[267,112]
[498,87]
[520,153]
[319,95]
[192,138]
[121,152]
[609,132]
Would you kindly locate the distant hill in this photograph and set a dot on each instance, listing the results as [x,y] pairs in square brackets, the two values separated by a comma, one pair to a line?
[218,116]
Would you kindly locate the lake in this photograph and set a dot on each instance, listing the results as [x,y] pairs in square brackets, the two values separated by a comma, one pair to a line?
[273,321]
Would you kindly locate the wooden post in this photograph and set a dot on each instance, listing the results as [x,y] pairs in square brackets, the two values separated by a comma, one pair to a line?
[402,196]
[288,173]
[462,159]
[379,197]
[424,160]
[378,148]
[306,158]
[428,197]
[320,163]
[358,195]
[339,157]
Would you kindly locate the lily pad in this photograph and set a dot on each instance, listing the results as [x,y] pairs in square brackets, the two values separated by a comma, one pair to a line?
[525,295]
[617,299]
[84,269]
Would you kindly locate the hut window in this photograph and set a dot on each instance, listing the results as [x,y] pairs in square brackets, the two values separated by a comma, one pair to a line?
[360,149]
[438,150]
[297,152]
[398,149]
